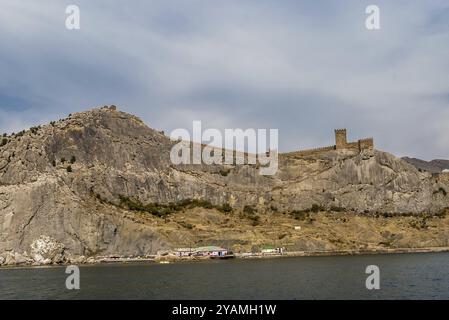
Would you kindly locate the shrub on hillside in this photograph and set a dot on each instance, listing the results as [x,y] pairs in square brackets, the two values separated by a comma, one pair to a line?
[225,208]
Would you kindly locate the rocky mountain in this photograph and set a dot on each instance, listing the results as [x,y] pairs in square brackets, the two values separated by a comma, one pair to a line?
[101,182]
[433,166]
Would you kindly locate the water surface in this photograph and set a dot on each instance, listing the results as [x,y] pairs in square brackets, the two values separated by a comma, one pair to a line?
[403,276]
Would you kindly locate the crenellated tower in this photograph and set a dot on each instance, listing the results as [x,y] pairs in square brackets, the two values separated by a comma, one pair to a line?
[341,141]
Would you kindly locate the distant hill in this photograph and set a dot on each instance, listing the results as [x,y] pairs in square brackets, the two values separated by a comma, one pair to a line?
[434,166]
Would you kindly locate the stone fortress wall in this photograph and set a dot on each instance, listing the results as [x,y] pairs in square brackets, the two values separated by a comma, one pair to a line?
[341,143]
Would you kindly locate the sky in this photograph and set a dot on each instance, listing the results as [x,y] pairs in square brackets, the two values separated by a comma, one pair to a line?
[302,67]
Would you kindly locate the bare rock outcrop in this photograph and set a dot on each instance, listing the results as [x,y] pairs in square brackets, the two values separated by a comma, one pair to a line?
[62,187]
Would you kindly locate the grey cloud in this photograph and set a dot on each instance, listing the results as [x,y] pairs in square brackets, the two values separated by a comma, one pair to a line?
[303,67]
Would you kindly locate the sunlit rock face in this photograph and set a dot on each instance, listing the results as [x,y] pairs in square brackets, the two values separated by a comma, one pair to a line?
[61,186]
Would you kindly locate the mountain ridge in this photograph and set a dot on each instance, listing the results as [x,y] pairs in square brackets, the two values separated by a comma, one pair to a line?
[101,182]
[432,166]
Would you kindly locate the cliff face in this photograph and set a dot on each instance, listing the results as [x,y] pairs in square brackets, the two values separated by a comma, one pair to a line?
[66,187]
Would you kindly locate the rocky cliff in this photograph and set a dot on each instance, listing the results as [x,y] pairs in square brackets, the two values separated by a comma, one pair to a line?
[101,182]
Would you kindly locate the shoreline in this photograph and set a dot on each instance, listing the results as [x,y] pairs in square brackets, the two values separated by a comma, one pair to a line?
[240,256]
[344,253]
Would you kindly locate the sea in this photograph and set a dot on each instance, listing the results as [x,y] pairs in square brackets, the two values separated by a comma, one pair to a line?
[400,276]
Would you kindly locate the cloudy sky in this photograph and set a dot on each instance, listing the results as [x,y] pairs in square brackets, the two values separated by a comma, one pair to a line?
[304,67]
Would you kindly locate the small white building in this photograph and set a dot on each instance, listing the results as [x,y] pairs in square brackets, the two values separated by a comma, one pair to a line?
[445,171]
[212,251]
[270,250]
[183,252]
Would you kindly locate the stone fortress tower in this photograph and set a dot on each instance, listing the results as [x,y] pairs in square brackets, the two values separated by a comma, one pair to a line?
[340,139]
[341,143]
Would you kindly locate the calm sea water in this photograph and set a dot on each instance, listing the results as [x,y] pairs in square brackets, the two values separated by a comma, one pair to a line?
[403,276]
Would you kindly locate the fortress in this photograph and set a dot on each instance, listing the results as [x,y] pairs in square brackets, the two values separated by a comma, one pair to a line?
[341,143]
